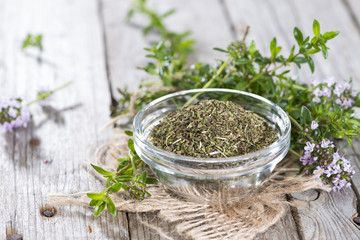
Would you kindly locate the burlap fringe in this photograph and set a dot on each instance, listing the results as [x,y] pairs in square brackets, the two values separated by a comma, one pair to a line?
[255,212]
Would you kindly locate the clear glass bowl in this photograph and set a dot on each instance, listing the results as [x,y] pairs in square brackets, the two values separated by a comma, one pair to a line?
[211,179]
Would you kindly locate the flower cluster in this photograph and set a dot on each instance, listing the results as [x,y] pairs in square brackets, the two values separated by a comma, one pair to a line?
[237,48]
[138,190]
[340,93]
[321,155]
[13,114]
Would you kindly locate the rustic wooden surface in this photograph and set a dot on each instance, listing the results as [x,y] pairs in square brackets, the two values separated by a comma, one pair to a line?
[88,41]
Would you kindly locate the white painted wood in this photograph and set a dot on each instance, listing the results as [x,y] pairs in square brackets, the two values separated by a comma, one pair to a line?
[68,132]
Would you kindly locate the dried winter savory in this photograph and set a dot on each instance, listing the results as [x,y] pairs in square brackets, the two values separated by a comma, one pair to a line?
[212,129]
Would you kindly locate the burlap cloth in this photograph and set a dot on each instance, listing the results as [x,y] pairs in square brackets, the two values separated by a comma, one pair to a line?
[254,213]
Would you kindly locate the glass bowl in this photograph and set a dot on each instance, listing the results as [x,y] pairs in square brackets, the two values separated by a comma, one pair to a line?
[211,179]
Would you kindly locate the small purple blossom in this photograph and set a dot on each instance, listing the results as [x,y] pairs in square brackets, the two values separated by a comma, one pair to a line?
[13,114]
[326,143]
[138,190]
[309,147]
[314,125]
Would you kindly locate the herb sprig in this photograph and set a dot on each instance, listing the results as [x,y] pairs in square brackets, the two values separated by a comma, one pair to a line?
[34,41]
[126,177]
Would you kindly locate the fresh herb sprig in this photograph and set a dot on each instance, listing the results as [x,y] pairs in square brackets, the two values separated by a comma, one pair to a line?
[126,177]
[34,41]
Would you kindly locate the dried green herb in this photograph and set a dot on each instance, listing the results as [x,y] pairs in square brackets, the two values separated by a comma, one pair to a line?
[212,129]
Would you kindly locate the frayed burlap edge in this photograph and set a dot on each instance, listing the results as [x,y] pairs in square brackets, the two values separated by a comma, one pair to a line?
[256,210]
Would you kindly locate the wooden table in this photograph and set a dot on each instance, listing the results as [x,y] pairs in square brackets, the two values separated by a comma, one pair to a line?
[89,42]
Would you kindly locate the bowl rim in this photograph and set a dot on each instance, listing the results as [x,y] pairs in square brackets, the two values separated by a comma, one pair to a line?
[282,140]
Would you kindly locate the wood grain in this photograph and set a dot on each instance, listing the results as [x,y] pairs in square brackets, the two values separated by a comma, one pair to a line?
[68,131]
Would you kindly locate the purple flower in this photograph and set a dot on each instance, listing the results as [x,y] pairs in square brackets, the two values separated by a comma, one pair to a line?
[314,125]
[315,82]
[13,114]
[326,143]
[337,169]
[309,147]
[329,81]
[326,92]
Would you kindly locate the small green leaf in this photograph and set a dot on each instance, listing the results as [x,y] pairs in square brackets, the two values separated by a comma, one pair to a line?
[96,196]
[252,48]
[131,145]
[111,207]
[291,53]
[330,35]
[337,134]
[143,176]
[129,133]
[124,178]
[116,187]
[324,50]
[93,202]
[168,13]
[103,171]
[316,28]
[99,208]
[298,36]
[311,63]
[220,50]
[305,115]
[273,47]
[151,181]
[350,141]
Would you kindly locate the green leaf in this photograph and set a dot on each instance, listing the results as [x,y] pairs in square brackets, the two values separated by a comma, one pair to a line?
[131,145]
[305,115]
[311,63]
[316,28]
[220,50]
[103,171]
[241,85]
[124,178]
[111,207]
[324,50]
[129,133]
[96,196]
[337,134]
[168,13]
[291,53]
[350,141]
[252,48]
[99,208]
[298,36]
[93,203]
[151,181]
[116,187]
[313,51]
[330,35]
[273,47]
[143,176]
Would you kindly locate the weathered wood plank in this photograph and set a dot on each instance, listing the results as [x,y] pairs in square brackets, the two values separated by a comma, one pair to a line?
[329,216]
[68,132]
